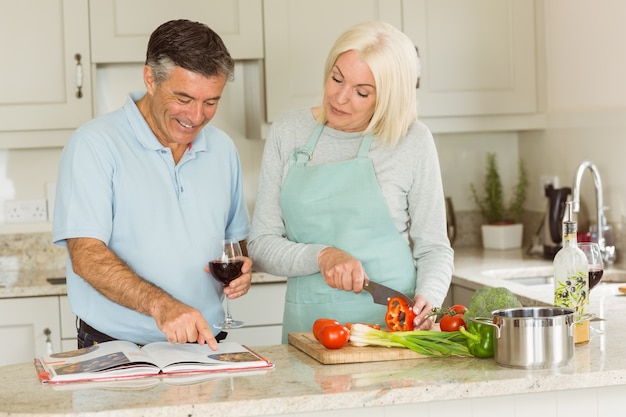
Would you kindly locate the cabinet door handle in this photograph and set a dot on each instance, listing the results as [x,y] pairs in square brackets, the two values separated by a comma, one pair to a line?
[47,333]
[79,76]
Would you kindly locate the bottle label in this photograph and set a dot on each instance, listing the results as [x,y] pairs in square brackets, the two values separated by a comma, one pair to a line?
[572,292]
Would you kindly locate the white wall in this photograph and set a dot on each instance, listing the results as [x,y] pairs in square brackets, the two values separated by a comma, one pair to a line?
[585,99]
[463,158]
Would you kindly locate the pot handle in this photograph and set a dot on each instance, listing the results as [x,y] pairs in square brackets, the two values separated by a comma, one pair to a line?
[583,318]
[489,322]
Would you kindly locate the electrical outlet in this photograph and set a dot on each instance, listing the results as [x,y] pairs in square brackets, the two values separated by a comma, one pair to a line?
[25,211]
[549,179]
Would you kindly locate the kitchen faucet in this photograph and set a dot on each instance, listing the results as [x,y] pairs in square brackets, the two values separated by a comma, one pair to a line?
[608,252]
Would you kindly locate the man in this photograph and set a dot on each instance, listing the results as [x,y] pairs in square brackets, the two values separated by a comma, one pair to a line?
[144,193]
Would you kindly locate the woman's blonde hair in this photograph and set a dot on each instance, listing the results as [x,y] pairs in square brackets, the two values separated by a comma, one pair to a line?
[394,62]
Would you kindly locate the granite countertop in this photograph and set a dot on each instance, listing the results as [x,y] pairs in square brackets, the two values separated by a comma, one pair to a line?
[30,282]
[300,384]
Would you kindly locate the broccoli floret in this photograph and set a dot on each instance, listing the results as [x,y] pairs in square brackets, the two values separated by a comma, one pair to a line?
[488,299]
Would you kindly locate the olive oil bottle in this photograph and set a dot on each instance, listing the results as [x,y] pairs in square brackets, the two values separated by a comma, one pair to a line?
[571,276]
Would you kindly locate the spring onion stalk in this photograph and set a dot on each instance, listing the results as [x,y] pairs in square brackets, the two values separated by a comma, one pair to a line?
[426,342]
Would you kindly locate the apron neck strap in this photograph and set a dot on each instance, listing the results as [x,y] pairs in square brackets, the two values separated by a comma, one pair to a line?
[303,155]
[365,146]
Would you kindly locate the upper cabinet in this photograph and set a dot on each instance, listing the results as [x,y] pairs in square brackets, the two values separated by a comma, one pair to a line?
[478,63]
[120,29]
[45,76]
[478,57]
[299,35]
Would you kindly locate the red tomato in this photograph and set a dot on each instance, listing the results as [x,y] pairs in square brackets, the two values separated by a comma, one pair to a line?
[458,309]
[334,336]
[451,323]
[319,323]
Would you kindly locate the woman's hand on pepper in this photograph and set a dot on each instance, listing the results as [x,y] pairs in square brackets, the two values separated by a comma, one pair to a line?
[423,313]
[341,270]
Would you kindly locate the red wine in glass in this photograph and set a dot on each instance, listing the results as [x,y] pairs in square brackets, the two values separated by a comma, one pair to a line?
[225,272]
[595,275]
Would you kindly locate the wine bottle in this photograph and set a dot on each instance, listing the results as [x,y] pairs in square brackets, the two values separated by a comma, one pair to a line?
[571,276]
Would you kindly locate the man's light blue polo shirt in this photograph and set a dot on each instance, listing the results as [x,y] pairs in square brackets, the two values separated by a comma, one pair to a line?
[118,184]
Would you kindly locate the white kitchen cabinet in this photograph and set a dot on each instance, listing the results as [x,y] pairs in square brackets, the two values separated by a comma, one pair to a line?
[478,63]
[118,35]
[68,325]
[478,57]
[24,323]
[31,325]
[299,35]
[45,76]
[261,310]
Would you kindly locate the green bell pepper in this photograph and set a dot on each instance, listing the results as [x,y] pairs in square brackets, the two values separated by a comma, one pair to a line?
[480,339]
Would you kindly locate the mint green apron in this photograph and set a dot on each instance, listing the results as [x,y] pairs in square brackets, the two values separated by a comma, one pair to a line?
[341,204]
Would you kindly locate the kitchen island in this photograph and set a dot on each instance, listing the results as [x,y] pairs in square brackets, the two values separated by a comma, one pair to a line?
[592,385]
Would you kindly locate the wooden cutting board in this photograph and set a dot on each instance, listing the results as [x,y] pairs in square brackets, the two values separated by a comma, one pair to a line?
[306,342]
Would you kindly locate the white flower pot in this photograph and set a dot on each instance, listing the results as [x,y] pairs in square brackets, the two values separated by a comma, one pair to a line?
[505,236]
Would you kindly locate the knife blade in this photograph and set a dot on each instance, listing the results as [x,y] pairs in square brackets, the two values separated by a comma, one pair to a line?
[381,293]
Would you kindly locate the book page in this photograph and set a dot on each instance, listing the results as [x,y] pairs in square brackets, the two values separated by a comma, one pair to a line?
[117,358]
[191,357]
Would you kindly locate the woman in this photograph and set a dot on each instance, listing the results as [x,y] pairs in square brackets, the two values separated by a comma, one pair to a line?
[352,190]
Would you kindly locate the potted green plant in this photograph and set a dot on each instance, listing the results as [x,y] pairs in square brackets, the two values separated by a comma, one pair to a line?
[502,228]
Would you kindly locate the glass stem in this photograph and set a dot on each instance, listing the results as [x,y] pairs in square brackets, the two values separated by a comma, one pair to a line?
[228,318]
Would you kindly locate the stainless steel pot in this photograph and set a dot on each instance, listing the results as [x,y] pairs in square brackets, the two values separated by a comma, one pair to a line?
[534,337]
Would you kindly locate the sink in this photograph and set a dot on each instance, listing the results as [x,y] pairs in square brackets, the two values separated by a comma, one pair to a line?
[535,275]
[542,275]
[538,280]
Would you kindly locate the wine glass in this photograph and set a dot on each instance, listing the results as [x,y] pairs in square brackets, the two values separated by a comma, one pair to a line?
[226,268]
[594,258]
[596,268]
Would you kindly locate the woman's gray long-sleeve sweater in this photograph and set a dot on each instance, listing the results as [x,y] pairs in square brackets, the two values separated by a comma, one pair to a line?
[410,180]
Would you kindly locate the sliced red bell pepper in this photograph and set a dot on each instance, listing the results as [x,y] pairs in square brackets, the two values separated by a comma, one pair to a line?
[399,315]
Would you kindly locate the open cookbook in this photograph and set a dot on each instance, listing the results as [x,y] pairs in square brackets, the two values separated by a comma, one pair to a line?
[123,360]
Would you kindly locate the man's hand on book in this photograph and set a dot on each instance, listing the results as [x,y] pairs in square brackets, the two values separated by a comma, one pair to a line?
[183,324]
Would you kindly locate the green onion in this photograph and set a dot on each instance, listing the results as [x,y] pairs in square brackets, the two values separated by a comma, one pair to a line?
[426,342]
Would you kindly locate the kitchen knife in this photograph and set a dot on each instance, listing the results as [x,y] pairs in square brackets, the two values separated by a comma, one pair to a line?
[382,293]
